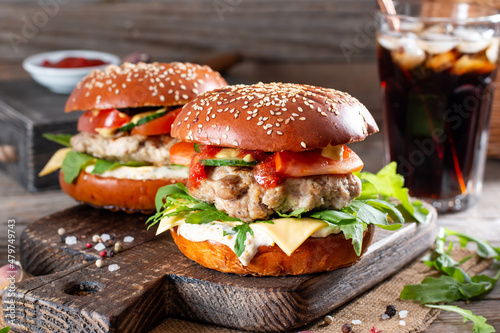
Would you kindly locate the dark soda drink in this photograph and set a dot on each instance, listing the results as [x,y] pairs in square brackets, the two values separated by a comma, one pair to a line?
[437,85]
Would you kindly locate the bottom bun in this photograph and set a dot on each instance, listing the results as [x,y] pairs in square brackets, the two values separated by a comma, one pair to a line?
[313,256]
[128,195]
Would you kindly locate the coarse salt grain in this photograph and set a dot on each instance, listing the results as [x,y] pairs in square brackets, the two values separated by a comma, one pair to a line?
[402,323]
[99,247]
[356,322]
[71,240]
[385,316]
[403,313]
[113,267]
[105,237]
[128,239]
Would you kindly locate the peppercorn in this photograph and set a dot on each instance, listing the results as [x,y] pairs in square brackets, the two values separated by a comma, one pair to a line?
[110,253]
[346,328]
[89,245]
[63,239]
[102,254]
[390,311]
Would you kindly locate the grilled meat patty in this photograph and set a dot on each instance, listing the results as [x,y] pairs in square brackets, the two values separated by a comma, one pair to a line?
[124,148]
[235,191]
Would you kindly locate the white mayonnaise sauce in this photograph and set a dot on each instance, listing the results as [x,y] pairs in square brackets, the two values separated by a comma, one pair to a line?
[214,231]
[144,172]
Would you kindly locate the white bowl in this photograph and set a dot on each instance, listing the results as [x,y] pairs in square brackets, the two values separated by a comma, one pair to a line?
[63,80]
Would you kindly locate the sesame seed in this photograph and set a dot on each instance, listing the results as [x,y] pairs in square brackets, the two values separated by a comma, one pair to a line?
[303,144]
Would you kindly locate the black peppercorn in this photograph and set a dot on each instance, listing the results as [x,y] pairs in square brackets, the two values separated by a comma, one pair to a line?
[390,311]
[346,328]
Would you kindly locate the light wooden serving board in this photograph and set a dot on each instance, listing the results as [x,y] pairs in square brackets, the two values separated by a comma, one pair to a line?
[155,281]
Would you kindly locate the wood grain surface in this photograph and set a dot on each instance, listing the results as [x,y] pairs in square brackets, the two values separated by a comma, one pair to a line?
[155,280]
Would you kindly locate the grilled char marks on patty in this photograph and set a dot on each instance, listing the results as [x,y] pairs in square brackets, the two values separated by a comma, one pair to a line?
[235,191]
[125,148]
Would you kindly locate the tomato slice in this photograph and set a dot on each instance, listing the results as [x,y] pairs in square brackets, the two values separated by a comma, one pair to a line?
[110,118]
[182,153]
[312,163]
[157,126]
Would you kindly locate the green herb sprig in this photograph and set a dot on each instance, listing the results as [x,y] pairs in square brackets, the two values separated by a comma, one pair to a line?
[454,284]
[479,322]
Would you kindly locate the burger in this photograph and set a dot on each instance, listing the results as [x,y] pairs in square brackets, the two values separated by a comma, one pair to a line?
[272,189]
[120,157]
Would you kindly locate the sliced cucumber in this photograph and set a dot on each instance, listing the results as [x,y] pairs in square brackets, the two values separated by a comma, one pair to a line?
[227,162]
[143,120]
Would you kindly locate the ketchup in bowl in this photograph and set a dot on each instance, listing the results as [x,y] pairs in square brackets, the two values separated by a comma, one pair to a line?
[73,62]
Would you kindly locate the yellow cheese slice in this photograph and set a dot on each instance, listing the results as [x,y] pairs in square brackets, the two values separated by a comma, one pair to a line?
[290,233]
[333,152]
[287,233]
[55,162]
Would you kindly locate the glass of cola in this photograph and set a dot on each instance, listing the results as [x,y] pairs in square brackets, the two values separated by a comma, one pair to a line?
[437,63]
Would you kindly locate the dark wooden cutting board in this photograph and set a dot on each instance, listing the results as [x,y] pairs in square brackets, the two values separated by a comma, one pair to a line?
[155,281]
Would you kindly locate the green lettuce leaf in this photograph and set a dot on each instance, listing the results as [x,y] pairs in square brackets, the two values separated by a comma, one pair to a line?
[479,322]
[73,164]
[102,166]
[390,184]
[62,139]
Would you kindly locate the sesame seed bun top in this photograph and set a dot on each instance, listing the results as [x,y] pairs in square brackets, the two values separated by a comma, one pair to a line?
[274,117]
[137,85]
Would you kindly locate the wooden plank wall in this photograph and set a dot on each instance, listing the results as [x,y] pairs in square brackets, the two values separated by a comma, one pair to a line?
[263,30]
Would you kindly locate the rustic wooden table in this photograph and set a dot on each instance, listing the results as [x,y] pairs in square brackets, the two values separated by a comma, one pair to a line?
[482,220]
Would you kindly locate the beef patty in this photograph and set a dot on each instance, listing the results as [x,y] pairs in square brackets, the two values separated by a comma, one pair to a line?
[235,191]
[125,148]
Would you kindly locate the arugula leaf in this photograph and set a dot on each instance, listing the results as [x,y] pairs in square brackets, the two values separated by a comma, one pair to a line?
[208,215]
[73,164]
[242,229]
[296,213]
[455,284]
[479,322]
[389,184]
[443,289]
[337,217]
[62,139]
[355,232]
[5,329]
[102,166]
[484,248]
[368,190]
